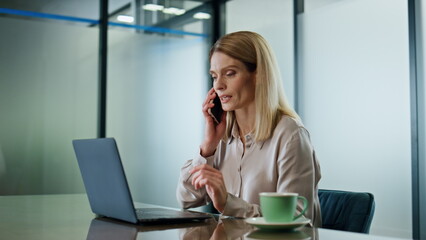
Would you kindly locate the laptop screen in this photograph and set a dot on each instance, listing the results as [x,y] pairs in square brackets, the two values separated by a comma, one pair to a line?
[104,178]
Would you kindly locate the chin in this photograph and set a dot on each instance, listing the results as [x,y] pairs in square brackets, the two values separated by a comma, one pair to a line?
[226,109]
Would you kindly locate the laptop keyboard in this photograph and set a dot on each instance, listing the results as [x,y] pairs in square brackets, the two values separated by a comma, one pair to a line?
[142,213]
[153,214]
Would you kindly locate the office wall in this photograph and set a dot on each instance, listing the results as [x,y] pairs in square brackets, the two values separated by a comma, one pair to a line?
[48,96]
[273,19]
[156,85]
[354,99]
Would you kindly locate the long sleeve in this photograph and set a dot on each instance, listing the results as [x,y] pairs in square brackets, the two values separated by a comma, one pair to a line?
[186,194]
[237,207]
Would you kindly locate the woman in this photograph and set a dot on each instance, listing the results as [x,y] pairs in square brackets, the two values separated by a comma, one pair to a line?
[260,144]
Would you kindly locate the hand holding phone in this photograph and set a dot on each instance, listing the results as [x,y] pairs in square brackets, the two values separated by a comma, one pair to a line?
[215,129]
[216,111]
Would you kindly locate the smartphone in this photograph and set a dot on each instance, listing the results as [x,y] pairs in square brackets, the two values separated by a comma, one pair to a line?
[216,111]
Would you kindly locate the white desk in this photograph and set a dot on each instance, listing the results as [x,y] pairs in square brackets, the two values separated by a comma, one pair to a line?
[48,217]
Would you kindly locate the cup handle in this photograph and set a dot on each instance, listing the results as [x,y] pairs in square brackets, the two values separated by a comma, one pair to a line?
[305,206]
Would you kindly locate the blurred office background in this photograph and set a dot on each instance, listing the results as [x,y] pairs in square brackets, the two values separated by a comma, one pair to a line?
[346,67]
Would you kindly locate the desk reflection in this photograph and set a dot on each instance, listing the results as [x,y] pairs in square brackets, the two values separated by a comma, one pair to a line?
[239,229]
[107,229]
[223,229]
[101,229]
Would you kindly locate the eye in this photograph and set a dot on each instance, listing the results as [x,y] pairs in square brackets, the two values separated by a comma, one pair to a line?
[213,78]
[230,73]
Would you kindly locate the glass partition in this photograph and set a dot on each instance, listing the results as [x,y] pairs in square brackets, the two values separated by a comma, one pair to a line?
[156,85]
[273,19]
[47,10]
[48,94]
[354,99]
[161,16]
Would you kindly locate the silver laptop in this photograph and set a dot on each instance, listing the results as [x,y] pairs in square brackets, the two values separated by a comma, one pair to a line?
[107,188]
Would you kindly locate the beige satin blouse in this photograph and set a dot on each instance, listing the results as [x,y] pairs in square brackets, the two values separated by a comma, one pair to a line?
[284,163]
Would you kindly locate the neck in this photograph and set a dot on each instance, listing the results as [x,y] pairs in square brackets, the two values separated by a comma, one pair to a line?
[245,119]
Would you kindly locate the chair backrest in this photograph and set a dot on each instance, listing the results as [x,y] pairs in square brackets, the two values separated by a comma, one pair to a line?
[347,211]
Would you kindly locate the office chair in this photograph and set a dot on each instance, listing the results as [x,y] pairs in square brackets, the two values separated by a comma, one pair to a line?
[347,211]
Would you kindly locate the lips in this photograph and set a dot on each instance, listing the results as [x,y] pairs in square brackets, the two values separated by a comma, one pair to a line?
[225,98]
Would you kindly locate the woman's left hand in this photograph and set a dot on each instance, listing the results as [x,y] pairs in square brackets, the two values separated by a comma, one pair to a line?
[212,179]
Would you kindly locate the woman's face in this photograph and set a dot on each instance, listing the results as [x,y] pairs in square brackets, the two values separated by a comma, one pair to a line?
[233,83]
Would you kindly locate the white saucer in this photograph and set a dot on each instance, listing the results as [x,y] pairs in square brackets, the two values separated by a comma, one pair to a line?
[278,235]
[262,224]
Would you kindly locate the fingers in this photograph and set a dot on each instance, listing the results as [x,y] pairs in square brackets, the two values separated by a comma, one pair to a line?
[208,102]
[202,176]
[211,94]
[212,179]
[206,175]
[208,182]
[206,108]
[202,166]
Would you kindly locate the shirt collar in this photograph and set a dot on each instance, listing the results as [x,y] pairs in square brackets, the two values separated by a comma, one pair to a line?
[235,134]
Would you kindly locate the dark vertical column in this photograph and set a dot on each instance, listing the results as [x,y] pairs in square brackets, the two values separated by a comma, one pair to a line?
[414,105]
[102,67]
[219,19]
[417,91]
[218,24]
[298,7]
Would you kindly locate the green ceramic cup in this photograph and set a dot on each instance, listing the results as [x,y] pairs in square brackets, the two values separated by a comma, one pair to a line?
[281,207]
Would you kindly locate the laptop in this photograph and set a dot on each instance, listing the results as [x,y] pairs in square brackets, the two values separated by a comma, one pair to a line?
[107,188]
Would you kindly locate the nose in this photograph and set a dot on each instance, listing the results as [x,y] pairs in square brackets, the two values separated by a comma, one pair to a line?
[219,84]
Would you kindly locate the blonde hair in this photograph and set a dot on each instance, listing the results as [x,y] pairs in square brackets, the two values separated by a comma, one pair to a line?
[255,53]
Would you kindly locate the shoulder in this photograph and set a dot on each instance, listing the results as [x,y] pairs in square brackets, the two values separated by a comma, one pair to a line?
[289,128]
[291,134]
